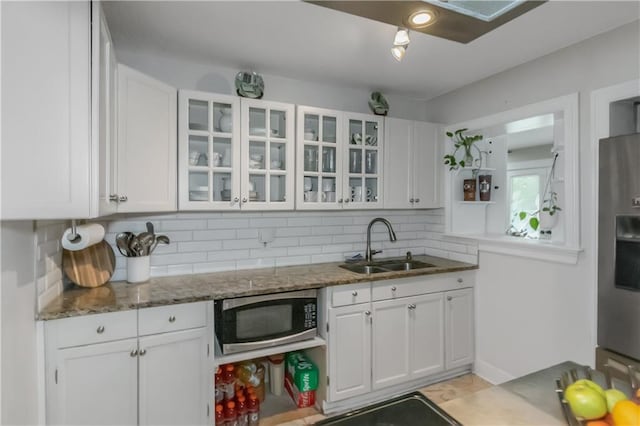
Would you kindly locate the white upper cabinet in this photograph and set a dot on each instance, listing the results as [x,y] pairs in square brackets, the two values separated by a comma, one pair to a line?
[235,153]
[339,160]
[413,172]
[208,151]
[147,157]
[47,155]
[267,155]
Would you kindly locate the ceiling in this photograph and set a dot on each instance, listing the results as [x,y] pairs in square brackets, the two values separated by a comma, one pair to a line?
[307,42]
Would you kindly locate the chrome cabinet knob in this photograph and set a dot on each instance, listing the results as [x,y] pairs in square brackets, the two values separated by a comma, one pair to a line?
[134,353]
[393,288]
[411,306]
[340,200]
[100,329]
[354,294]
[346,200]
[172,319]
[244,200]
[460,280]
[367,313]
[417,200]
[236,199]
[113,198]
[143,352]
[123,199]
[411,200]
[449,298]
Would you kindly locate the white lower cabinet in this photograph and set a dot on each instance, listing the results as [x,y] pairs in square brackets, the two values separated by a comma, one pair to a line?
[95,384]
[160,378]
[413,328]
[459,326]
[349,351]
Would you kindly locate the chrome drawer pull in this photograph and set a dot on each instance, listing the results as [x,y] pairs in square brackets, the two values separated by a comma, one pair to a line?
[134,353]
[100,329]
[354,294]
[172,319]
[393,288]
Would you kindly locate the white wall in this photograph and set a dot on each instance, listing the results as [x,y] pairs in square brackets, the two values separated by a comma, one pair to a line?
[531,315]
[220,79]
[19,367]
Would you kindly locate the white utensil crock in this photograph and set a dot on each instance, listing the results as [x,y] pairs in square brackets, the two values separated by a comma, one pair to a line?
[138,269]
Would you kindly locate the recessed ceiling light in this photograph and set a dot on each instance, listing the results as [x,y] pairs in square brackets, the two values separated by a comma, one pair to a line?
[421,18]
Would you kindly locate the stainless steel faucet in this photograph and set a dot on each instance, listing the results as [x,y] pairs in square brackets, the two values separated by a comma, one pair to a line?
[392,237]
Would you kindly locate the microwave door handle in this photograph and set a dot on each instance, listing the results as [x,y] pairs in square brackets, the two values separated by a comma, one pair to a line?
[243,301]
[230,348]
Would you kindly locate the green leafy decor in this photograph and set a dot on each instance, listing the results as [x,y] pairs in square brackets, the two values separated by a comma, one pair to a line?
[549,204]
[465,143]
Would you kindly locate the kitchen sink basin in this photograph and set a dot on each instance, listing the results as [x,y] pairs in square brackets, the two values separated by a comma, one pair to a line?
[386,266]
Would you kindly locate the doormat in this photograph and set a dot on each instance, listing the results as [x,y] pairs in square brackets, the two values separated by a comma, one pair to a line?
[413,409]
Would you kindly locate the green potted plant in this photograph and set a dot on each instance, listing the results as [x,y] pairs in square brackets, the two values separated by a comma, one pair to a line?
[466,144]
[545,217]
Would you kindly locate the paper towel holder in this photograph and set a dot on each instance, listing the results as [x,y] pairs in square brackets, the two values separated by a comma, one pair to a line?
[73,236]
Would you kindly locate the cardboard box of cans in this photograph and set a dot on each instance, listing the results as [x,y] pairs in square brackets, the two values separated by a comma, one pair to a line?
[301,399]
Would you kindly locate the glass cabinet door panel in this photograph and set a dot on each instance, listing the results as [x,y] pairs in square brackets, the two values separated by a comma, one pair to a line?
[355,188]
[371,134]
[198,115]
[311,127]
[257,187]
[278,124]
[222,184]
[371,162]
[310,158]
[222,118]
[310,189]
[278,156]
[355,161]
[371,190]
[355,132]
[329,127]
[256,155]
[277,189]
[328,159]
[222,152]
[257,122]
[328,187]
[198,186]
[198,150]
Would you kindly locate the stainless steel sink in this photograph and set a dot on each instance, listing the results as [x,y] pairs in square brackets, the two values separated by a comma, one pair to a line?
[388,265]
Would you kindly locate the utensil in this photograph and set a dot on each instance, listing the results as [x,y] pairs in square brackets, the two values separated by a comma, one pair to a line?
[160,239]
[90,267]
[145,239]
[122,242]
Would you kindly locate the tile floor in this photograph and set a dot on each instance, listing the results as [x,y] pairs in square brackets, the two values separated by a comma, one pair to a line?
[438,393]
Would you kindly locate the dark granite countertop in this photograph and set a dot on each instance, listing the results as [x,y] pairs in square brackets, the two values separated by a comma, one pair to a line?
[119,296]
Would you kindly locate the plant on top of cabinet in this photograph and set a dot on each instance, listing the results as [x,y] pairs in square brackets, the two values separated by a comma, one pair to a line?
[467,143]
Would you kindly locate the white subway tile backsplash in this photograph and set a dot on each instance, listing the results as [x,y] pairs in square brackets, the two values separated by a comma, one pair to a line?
[221,241]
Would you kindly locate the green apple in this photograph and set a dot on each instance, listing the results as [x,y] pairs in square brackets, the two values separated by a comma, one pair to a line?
[586,401]
[613,396]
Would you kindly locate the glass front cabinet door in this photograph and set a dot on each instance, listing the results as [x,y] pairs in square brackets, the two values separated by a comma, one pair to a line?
[319,159]
[208,151]
[267,155]
[362,162]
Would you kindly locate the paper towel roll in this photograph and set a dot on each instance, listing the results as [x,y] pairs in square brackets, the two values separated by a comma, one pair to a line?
[90,234]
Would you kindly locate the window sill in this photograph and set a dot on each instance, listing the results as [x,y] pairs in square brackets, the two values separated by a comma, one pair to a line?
[530,249]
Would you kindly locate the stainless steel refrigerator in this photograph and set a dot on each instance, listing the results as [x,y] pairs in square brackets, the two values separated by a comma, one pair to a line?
[619,245]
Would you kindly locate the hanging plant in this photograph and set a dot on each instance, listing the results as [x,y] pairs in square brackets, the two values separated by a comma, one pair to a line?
[466,144]
[549,204]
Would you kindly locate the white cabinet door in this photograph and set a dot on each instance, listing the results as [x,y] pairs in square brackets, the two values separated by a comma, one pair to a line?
[208,151]
[173,378]
[398,163]
[95,385]
[104,111]
[427,166]
[47,156]
[459,327]
[391,342]
[319,159]
[147,148]
[267,155]
[349,351]
[426,356]
[363,159]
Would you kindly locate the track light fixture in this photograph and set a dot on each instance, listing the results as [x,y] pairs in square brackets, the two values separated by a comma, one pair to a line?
[400,44]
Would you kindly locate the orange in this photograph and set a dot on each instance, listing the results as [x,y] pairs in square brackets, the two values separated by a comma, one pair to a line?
[605,421]
[626,413]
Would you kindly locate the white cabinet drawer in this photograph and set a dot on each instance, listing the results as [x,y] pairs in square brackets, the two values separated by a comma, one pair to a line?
[96,328]
[350,294]
[172,318]
[424,284]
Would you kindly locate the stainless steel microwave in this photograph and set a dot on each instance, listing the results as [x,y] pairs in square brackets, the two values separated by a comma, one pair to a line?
[255,322]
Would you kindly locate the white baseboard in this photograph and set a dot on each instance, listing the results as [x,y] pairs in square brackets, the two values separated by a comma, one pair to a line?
[490,373]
